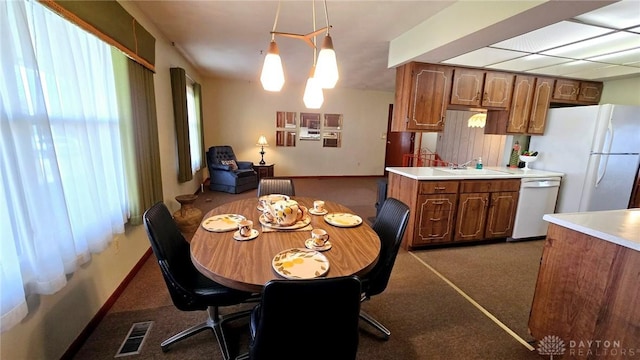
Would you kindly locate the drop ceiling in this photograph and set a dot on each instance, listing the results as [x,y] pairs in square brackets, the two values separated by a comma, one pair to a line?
[597,40]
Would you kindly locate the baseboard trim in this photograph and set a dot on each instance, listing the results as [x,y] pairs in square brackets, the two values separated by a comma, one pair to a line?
[93,324]
[320,177]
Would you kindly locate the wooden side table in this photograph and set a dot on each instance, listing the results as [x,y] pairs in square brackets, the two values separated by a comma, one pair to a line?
[264,171]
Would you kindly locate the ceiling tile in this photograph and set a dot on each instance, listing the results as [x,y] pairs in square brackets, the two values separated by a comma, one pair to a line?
[484,57]
[551,36]
[608,72]
[619,15]
[605,44]
[569,68]
[635,29]
[529,62]
[627,57]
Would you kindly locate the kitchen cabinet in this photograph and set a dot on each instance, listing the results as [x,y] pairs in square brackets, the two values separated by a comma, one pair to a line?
[486,209]
[528,111]
[577,92]
[479,88]
[422,93]
[587,288]
[435,213]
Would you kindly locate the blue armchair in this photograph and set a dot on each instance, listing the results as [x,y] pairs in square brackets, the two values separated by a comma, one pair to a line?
[227,173]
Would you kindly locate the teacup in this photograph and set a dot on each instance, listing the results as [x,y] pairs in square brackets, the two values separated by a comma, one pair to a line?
[245,227]
[319,237]
[318,206]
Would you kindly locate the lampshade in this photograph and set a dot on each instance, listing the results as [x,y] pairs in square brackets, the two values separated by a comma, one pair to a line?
[313,96]
[272,77]
[262,141]
[478,120]
[327,67]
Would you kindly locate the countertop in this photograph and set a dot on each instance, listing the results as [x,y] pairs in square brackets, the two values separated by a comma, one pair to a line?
[488,172]
[621,227]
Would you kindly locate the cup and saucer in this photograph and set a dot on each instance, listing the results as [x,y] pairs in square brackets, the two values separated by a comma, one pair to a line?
[318,208]
[254,234]
[310,244]
[245,231]
[319,240]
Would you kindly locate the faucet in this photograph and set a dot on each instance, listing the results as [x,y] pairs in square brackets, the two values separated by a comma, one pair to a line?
[461,166]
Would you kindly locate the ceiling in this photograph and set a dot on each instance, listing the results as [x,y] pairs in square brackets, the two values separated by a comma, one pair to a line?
[597,40]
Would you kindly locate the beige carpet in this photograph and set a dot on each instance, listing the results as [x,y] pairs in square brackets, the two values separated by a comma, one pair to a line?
[428,318]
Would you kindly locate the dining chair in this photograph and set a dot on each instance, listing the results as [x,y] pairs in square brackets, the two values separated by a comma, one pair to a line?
[306,319]
[276,186]
[189,289]
[390,225]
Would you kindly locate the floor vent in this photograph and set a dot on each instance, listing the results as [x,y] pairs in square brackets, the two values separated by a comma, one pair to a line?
[135,338]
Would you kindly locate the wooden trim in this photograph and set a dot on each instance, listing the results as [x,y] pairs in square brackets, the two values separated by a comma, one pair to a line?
[51,4]
[77,344]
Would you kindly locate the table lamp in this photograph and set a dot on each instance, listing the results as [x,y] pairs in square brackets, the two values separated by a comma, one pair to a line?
[262,142]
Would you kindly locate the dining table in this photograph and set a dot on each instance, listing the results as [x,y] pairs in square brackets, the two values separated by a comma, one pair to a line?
[249,263]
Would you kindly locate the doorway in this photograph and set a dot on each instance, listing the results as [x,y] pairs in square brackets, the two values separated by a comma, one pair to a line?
[398,144]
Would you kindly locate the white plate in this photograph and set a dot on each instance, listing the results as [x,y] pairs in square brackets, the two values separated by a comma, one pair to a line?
[300,264]
[254,234]
[312,211]
[309,245]
[222,222]
[298,225]
[343,219]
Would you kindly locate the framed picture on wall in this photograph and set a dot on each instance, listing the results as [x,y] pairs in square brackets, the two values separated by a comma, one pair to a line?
[333,121]
[310,126]
[331,139]
[285,138]
[286,119]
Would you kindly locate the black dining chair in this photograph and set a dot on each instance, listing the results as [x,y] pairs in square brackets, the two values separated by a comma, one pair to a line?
[189,289]
[282,186]
[390,225]
[306,319]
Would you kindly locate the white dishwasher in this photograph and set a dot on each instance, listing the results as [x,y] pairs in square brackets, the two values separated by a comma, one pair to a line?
[537,197]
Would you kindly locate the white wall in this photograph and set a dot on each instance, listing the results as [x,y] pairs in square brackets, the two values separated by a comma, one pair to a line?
[55,321]
[236,113]
[623,92]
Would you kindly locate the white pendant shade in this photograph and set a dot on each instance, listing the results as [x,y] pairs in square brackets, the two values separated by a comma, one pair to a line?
[272,77]
[313,96]
[327,67]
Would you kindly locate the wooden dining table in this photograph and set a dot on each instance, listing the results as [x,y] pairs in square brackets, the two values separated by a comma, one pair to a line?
[247,264]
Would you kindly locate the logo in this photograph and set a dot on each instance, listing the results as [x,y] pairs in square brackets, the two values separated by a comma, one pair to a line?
[551,345]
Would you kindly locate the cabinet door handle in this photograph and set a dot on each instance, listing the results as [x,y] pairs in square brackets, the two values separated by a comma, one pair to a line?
[439,188]
[438,202]
[433,219]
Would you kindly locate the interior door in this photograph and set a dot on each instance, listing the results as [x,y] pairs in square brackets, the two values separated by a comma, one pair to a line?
[398,144]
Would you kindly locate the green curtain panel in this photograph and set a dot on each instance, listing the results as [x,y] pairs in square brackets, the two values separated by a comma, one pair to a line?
[109,21]
[145,139]
[181,117]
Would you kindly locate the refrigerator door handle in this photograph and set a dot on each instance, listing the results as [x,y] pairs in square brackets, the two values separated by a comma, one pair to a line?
[602,168]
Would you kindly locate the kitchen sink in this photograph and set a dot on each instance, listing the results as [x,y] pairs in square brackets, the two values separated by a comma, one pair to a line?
[472,171]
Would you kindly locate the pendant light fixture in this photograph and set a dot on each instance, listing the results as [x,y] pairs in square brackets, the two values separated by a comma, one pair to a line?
[327,67]
[324,72]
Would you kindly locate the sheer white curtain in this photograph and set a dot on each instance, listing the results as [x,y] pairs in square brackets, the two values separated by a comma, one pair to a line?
[195,143]
[62,192]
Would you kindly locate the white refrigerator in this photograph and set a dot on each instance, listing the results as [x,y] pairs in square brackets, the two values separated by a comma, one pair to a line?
[598,149]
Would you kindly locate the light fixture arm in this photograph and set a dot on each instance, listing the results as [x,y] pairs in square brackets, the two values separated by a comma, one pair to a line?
[307,38]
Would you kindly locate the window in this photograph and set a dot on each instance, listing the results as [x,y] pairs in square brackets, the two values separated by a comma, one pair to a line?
[62,181]
[195,130]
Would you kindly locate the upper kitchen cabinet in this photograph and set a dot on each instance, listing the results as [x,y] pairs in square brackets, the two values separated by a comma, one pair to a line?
[577,92]
[422,93]
[528,111]
[479,88]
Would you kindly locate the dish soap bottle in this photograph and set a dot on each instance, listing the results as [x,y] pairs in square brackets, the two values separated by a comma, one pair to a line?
[479,163]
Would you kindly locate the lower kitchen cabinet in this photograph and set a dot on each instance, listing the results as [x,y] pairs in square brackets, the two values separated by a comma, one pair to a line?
[436,214]
[451,211]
